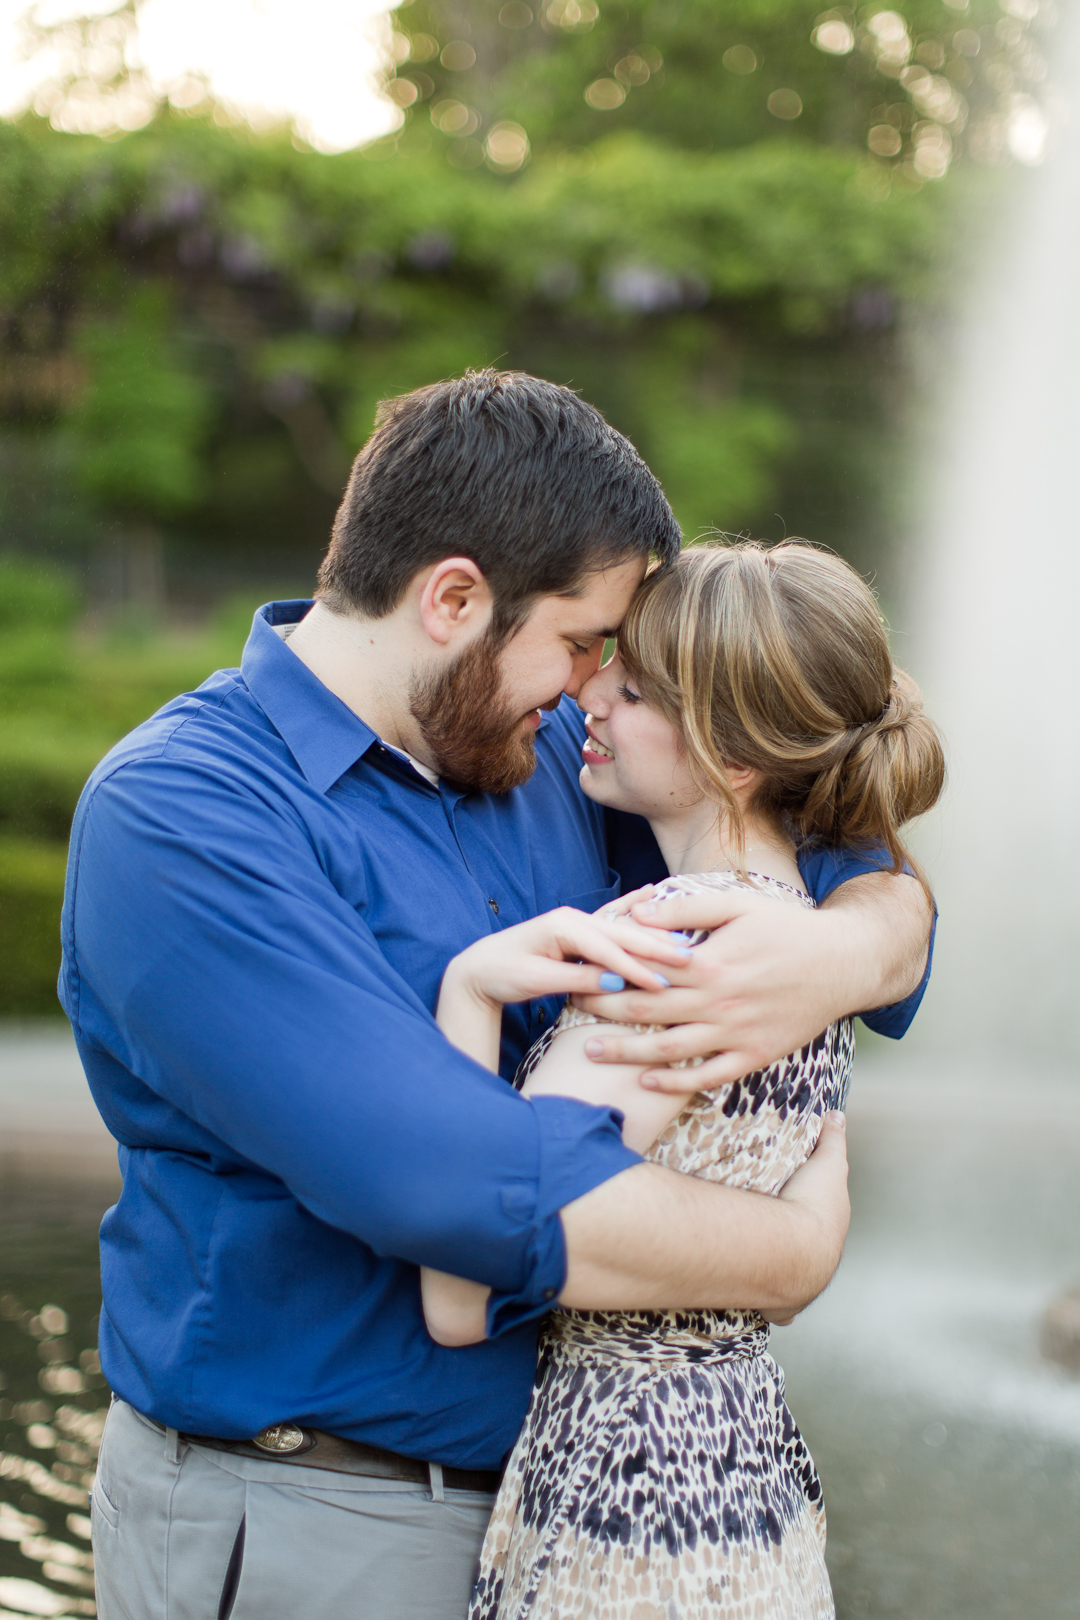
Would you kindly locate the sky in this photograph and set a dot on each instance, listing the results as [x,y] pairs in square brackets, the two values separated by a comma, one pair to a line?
[311,60]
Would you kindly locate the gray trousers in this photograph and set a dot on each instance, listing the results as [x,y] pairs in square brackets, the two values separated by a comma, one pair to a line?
[184,1532]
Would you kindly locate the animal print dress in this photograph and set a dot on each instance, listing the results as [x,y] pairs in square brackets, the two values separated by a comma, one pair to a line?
[659,1474]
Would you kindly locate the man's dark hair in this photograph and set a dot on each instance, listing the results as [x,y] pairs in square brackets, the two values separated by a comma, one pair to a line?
[517,473]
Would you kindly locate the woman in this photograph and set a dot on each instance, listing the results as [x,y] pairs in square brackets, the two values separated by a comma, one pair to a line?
[752,706]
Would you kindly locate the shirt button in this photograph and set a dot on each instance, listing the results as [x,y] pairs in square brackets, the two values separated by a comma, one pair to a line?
[549,1293]
[541,1015]
[494,904]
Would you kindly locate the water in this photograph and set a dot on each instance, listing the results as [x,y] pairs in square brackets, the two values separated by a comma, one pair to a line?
[948,1448]
[990,623]
[57,1175]
[949,1451]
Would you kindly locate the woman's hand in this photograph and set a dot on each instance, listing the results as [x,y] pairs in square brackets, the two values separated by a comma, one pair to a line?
[565,952]
[624,905]
[559,953]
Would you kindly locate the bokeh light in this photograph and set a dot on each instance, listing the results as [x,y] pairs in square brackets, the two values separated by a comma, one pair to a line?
[786,104]
[605,94]
[507,146]
[739,59]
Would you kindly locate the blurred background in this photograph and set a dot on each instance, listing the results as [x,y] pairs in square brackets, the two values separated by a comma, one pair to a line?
[819,266]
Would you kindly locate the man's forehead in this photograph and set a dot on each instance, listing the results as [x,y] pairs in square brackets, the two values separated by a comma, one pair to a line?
[596,605]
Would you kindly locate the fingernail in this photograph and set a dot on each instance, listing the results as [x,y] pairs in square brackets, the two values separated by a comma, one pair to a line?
[612,981]
[659,977]
[594,1049]
[837,1118]
[649,1082]
[677,937]
[648,908]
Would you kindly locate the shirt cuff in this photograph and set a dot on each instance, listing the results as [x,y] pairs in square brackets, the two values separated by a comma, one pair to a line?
[580,1147]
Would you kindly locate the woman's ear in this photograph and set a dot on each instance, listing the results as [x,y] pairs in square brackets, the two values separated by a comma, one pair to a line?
[742,778]
[455,601]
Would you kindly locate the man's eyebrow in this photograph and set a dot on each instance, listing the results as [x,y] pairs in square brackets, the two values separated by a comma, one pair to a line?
[591,635]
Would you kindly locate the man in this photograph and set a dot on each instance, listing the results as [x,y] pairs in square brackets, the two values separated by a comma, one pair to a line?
[267,880]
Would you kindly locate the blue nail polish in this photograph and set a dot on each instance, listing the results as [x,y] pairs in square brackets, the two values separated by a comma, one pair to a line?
[678,938]
[612,981]
[665,982]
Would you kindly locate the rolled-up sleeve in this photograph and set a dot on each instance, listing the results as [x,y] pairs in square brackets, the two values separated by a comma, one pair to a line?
[572,1140]
[255,999]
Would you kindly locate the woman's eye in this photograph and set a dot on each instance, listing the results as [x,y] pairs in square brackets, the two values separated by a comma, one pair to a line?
[628,696]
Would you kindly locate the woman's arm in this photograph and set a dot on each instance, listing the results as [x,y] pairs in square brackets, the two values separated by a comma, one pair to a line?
[455,1309]
[565,1071]
[538,958]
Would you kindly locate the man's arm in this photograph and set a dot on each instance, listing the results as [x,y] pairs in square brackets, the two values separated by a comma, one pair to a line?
[650,1239]
[887,922]
[206,947]
[769,978]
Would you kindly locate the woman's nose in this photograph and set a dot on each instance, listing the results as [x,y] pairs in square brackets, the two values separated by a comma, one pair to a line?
[593,697]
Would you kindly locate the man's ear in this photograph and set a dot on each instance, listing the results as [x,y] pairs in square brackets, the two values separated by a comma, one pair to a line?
[455,601]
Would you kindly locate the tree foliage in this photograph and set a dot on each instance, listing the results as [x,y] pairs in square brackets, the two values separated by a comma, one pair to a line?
[197,322]
[709,219]
[698,76]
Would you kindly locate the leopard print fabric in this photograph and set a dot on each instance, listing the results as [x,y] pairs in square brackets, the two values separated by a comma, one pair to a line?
[660,1474]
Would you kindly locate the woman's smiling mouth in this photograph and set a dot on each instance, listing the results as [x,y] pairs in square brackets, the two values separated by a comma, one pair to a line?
[594,752]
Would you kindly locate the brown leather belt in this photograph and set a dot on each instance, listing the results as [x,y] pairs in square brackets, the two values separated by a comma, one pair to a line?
[313,1448]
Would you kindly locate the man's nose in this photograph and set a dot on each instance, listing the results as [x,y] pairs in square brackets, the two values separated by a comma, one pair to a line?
[584,669]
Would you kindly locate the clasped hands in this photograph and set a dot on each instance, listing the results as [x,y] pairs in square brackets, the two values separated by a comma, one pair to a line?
[756,989]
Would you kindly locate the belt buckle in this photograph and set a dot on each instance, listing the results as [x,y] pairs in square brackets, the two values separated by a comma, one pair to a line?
[283,1440]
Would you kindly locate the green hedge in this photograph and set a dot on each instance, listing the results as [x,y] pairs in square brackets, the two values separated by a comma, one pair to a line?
[65,698]
[31,894]
[44,761]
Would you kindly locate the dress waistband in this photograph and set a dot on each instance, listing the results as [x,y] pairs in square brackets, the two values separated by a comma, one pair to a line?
[684,1338]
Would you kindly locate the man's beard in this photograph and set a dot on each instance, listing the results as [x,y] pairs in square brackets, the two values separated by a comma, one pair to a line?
[476,741]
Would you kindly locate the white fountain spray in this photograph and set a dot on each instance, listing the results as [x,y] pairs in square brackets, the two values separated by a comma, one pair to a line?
[994,618]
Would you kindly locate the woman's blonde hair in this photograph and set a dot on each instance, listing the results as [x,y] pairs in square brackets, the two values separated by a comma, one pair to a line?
[777,658]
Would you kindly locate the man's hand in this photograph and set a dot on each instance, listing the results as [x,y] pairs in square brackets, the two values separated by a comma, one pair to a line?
[651,1239]
[768,980]
[816,1191]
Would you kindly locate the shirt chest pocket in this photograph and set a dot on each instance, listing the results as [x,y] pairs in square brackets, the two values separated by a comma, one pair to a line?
[592,899]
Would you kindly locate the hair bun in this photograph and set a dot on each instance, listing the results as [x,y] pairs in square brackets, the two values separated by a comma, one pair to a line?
[902,702]
[904,751]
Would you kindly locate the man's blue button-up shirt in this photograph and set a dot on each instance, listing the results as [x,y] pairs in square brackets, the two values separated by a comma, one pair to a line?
[261,902]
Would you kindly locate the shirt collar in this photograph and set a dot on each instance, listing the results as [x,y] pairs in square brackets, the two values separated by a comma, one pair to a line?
[323,735]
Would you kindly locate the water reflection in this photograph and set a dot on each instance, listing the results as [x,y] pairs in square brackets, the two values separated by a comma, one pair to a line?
[53,1399]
